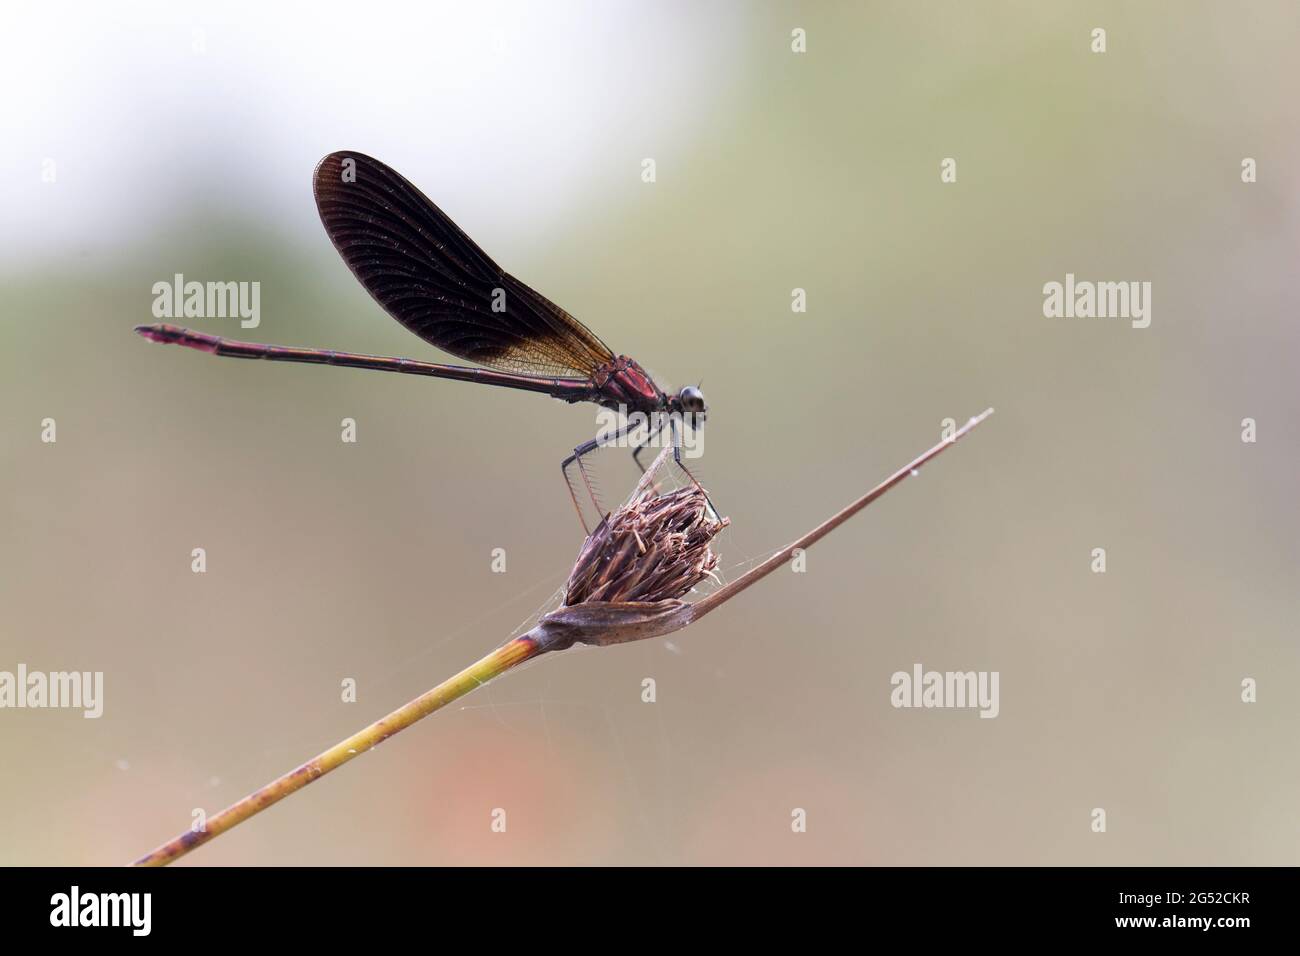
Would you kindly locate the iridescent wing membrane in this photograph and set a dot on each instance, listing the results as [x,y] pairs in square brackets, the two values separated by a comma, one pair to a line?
[436,281]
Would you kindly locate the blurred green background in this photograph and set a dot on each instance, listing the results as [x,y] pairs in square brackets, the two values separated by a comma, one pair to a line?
[183,138]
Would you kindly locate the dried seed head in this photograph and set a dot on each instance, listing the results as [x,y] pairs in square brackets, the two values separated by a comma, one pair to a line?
[656,547]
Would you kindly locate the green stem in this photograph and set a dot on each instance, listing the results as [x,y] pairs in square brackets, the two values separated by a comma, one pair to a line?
[506,656]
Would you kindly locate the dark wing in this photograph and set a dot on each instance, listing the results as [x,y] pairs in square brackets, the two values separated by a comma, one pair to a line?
[437,282]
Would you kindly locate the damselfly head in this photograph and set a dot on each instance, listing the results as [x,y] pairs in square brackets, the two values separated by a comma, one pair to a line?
[691,399]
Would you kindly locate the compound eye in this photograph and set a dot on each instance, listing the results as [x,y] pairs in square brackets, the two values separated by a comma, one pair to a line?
[692,399]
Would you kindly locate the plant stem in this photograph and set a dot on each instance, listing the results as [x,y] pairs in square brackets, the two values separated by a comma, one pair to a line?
[618,622]
[477,674]
[759,571]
